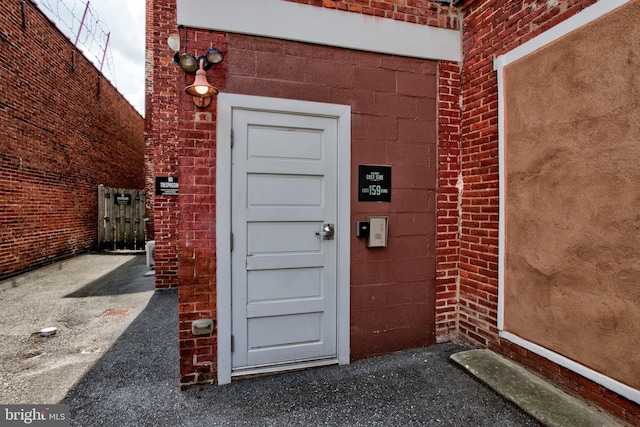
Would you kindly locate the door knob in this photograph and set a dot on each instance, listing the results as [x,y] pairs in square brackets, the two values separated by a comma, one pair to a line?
[327,232]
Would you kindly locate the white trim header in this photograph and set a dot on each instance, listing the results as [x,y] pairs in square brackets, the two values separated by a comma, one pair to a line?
[297,22]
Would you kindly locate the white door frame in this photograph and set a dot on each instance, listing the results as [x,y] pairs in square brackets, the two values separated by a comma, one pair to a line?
[226,104]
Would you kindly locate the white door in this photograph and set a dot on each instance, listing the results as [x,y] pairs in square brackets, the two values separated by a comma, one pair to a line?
[284,258]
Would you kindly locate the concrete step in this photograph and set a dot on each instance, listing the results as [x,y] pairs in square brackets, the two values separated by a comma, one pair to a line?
[537,397]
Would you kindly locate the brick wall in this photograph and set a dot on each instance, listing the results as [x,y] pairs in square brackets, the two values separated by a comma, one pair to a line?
[489,29]
[180,142]
[197,204]
[448,203]
[163,87]
[492,28]
[63,131]
[419,12]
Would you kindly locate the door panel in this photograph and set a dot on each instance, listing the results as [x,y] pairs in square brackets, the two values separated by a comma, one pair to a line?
[284,190]
[284,277]
[285,143]
[266,238]
[265,285]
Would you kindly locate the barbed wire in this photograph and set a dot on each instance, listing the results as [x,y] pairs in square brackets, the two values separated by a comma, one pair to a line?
[89,34]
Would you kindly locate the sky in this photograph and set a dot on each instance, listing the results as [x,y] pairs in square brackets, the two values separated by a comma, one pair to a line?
[125,21]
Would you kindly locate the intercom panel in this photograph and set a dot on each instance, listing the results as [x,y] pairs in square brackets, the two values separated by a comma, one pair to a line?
[378,232]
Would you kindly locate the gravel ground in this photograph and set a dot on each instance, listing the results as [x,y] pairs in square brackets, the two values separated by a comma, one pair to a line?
[122,370]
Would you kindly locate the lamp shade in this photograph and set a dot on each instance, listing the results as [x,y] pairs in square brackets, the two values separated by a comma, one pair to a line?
[201,87]
[214,56]
[188,62]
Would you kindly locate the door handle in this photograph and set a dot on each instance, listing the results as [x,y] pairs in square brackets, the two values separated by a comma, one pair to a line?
[327,232]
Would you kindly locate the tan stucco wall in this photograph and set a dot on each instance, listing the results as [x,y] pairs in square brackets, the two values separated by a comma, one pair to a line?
[572,279]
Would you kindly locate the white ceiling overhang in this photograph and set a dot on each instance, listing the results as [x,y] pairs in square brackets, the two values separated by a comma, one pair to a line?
[292,21]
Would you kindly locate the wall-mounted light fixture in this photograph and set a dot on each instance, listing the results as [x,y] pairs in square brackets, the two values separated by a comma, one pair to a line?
[200,89]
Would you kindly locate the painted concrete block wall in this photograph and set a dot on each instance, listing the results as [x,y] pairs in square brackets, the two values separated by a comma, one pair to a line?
[63,131]
[191,215]
[442,16]
[393,103]
[393,289]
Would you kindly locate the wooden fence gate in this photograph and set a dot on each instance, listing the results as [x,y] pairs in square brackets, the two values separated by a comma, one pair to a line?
[121,216]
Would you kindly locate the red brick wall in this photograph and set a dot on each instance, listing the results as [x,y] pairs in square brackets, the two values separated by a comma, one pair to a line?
[492,28]
[163,81]
[180,142]
[448,203]
[163,89]
[489,29]
[63,131]
[197,205]
[420,12]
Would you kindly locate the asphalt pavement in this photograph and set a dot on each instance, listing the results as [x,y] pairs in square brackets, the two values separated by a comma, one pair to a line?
[114,361]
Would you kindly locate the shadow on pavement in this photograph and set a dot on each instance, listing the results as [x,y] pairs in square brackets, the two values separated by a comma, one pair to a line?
[136,383]
[138,374]
[115,282]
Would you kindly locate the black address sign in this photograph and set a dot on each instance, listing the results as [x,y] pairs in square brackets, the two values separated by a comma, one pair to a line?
[374,183]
